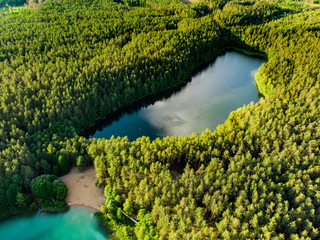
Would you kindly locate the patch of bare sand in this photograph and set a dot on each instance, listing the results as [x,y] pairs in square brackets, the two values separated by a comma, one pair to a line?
[82,189]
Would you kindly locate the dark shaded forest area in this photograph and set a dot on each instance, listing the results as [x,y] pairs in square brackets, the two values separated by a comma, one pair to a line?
[65,64]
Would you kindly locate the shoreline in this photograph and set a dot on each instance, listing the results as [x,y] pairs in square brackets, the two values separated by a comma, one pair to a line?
[82,205]
[82,189]
[104,121]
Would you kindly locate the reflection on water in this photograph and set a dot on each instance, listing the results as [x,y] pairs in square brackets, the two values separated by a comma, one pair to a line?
[205,102]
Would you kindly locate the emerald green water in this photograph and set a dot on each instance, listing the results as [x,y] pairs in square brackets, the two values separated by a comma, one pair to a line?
[76,224]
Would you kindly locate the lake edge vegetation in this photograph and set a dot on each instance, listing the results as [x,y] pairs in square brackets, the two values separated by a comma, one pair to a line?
[256,176]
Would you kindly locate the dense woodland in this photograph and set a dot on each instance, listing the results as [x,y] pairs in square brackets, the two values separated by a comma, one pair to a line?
[65,64]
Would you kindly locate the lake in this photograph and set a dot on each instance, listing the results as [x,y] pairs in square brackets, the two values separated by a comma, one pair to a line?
[76,224]
[205,102]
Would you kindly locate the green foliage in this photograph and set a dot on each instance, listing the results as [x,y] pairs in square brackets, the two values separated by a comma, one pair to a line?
[83,162]
[60,189]
[21,200]
[3,199]
[249,12]
[128,207]
[12,194]
[50,192]
[66,64]
[145,229]
[63,165]
[255,177]
[57,76]
[42,186]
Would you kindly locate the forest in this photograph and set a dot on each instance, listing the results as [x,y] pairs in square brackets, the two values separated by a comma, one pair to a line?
[66,64]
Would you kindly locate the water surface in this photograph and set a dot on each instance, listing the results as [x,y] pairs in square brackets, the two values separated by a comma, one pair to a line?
[76,224]
[205,102]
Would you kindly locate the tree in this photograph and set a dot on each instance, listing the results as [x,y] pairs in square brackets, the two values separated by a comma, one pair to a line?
[3,199]
[12,194]
[21,200]
[63,164]
[45,166]
[42,186]
[60,189]
[81,162]
[128,207]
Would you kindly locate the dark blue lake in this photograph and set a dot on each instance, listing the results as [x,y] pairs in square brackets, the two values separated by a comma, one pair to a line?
[205,102]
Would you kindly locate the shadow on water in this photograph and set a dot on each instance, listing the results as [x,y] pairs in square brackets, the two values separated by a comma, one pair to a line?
[217,88]
[107,120]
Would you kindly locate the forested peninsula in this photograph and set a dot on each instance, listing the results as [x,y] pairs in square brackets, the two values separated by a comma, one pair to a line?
[64,64]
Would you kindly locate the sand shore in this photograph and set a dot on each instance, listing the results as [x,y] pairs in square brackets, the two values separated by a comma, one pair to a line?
[82,189]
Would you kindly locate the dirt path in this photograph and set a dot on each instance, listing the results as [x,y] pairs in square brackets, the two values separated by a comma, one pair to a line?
[82,189]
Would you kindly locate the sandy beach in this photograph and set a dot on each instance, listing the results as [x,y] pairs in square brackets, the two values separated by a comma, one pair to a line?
[82,189]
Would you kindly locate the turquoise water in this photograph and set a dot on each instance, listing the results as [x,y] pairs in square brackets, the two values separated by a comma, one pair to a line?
[205,102]
[76,224]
